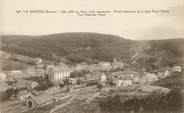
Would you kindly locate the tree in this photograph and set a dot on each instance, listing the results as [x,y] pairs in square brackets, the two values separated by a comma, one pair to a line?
[99,86]
[5,95]
[66,82]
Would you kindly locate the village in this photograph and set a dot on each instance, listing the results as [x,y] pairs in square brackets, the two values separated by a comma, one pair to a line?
[57,83]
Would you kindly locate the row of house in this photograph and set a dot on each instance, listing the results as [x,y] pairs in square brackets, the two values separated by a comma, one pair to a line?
[127,78]
[61,71]
[101,66]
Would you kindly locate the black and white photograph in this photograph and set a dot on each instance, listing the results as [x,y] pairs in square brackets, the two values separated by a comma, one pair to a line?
[91,56]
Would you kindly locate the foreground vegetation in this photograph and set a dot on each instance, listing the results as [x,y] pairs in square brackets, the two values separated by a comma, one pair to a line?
[156,102]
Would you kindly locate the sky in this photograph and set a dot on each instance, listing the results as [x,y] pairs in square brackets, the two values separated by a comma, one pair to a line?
[138,26]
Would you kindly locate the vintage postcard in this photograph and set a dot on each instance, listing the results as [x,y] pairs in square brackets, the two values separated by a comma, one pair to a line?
[91,56]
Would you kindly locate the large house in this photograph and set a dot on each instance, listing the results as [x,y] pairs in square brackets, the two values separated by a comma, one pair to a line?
[58,73]
[33,101]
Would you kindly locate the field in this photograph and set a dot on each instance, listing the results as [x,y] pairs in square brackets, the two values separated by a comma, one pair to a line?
[7,64]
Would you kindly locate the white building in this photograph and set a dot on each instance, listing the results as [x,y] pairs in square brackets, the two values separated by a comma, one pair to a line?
[103,65]
[166,73]
[123,83]
[150,77]
[3,76]
[103,78]
[176,69]
[58,73]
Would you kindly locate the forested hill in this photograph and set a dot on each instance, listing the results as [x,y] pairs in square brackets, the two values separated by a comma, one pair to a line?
[88,45]
[79,47]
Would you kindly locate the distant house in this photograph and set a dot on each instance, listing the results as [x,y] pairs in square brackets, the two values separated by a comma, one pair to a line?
[76,81]
[150,77]
[38,60]
[58,73]
[123,83]
[39,64]
[176,68]
[73,81]
[3,76]
[92,67]
[103,78]
[103,66]
[25,84]
[22,95]
[20,75]
[30,70]
[10,79]
[163,72]
[49,66]
[15,71]
[81,66]
[125,73]
[124,78]
[137,80]
[93,77]
[150,88]
[2,52]
[117,64]
[34,85]
[38,100]
[40,72]
[96,75]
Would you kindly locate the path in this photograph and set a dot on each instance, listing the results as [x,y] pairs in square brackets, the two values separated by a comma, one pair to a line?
[64,104]
[95,95]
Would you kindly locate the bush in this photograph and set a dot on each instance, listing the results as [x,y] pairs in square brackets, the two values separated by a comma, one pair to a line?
[111,104]
[99,86]
[5,95]
[157,101]
[66,82]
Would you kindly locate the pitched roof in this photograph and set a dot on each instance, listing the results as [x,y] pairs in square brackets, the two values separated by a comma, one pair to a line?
[23,83]
[124,73]
[124,77]
[42,98]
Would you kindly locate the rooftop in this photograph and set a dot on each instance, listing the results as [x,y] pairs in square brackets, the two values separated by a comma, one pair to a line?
[42,98]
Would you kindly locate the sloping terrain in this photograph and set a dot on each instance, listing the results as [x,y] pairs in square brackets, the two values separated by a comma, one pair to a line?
[174,81]
[78,47]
